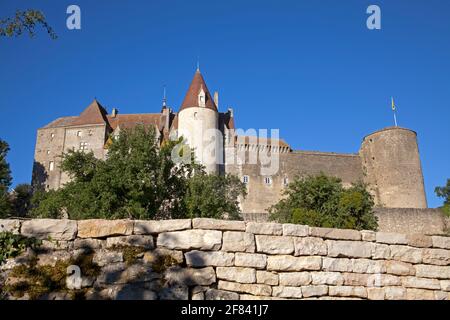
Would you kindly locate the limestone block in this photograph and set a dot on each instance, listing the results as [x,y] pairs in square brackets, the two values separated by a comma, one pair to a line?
[421,283]
[51,258]
[89,244]
[198,296]
[134,240]
[441,242]
[174,293]
[209,258]
[53,229]
[368,235]
[104,257]
[368,266]
[295,279]
[289,263]
[337,264]
[348,291]
[445,285]
[330,278]
[190,276]
[57,245]
[236,274]
[382,280]
[429,271]
[214,294]
[441,295]
[439,257]
[374,293]
[274,244]
[10,225]
[351,249]
[99,228]
[120,273]
[159,226]
[394,293]
[255,289]
[391,238]
[265,277]
[216,224]
[296,230]
[355,279]
[337,234]
[252,297]
[419,294]
[191,239]
[254,260]
[381,251]
[161,253]
[310,246]
[287,292]
[133,292]
[419,240]
[238,241]
[399,268]
[314,291]
[406,254]
[264,228]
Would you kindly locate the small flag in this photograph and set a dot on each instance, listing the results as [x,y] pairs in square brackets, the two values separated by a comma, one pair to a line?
[393,104]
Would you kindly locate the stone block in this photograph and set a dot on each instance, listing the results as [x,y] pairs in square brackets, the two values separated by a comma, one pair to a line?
[190,276]
[160,226]
[406,254]
[236,274]
[191,239]
[337,264]
[268,228]
[287,292]
[296,230]
[330,278]
[441,242]
[391,238]
[295,279]
[350,249]
[238,241]
[253,260]
[348,291]
[289,263]
[399,268]
[216,224]
[337,234]
[99,228]
[10,225]
[421,283]
[50,229]
[254,289]
[429,271]
[314,291]
[214,294]
[209,258]
[134,241]
[265,277]
[310,246]
[274,244]
[439,257]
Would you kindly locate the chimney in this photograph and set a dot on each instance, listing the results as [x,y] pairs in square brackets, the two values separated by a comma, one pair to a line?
[114,112]
[216,99]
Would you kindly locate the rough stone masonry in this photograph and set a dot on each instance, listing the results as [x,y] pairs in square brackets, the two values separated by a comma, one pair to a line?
[217,259]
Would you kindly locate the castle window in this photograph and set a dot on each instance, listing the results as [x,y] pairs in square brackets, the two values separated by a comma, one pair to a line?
[52,135]
[83,146]
[78,133]
[268,180]
[51,166]
[285,181]
[48,151]
[245,179]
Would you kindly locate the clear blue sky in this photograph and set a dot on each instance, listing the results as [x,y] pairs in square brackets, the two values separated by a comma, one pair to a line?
[310,68]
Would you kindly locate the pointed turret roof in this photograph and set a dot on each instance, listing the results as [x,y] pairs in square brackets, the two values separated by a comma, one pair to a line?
[191,98]
[93,114]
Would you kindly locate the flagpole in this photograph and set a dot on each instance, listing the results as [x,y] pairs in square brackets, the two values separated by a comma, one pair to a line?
[394,110]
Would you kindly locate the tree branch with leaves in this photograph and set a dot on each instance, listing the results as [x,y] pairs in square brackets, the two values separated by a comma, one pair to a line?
[25,22]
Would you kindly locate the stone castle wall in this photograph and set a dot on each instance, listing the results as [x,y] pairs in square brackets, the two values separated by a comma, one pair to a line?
[217,259]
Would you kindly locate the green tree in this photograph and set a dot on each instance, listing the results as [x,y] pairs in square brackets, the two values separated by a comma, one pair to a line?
[214,196]
[322,201]
[444,192]
[25,22]
[5,180]
[21,200]
[138,180]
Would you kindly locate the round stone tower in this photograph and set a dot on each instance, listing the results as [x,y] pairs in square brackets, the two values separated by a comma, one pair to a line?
[198,123]
[391,163]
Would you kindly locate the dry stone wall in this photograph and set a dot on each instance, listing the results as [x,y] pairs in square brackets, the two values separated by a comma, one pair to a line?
[216,259]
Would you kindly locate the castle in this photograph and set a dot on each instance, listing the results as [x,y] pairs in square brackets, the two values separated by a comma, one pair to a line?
[388,160]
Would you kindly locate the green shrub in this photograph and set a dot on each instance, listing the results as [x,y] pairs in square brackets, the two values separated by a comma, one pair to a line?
[11,245]
[322,201]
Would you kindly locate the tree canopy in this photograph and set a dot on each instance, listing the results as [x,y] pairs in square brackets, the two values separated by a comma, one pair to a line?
[25,22]
[444,192]
[138,180]
[322,201]
[5,180]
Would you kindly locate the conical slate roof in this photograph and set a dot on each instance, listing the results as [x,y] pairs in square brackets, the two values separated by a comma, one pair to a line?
[191,98]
